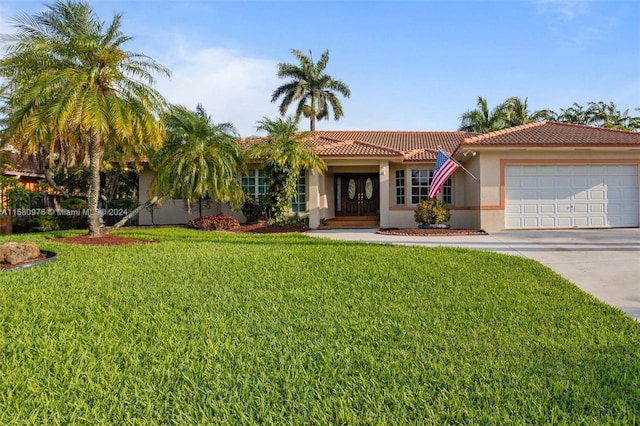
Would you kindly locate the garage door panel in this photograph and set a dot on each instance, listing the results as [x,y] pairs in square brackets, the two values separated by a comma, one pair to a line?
[563,208]
[514,223]
[580,221]
[546,182]
[547,222]
[547,208]
[563,194]
[546,195]
[531,222]
[580,182]
[581,195]
[513,208]
[580,208]
[571,196]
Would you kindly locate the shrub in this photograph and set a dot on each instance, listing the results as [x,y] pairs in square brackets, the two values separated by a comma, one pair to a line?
[431,211]
[217,222]
[252,209]
[73,214]
[45,222]
[295,220]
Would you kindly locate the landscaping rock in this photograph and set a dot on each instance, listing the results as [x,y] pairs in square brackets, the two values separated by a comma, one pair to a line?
[13,253]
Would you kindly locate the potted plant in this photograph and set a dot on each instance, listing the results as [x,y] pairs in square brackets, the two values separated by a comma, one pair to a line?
[431,213]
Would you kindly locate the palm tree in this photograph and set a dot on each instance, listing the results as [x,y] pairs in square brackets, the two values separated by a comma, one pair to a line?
[575,114]
[315,91]
[284,155]
[481,120]
[199,159]
[607,115]
[517,112]
[67,78]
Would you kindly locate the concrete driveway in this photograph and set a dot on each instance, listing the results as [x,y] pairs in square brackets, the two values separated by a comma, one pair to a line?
[602,262]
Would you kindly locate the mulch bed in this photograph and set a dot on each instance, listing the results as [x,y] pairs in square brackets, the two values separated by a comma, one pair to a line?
[429,232]
[105,240]
[263,228]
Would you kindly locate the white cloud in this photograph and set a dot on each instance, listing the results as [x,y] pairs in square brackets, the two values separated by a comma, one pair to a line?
[231,87]
[569,9]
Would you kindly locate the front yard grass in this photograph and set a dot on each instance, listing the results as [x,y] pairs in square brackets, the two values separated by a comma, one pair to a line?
[216,328]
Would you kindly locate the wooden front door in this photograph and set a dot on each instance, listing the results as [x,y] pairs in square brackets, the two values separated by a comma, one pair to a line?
[357,194]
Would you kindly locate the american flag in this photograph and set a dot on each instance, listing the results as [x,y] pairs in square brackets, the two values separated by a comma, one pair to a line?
[445,167]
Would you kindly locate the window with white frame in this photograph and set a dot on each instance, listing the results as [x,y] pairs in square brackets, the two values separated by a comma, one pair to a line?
[254,183]
[421,183]
[299,202]
[400,188]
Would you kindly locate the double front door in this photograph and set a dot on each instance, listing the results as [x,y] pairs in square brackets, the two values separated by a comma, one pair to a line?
[357,194]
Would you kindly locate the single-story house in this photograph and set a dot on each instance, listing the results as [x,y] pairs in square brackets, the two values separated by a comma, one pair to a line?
[534,176]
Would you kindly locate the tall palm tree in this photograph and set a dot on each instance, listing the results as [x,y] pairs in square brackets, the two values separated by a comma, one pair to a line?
[199,159]
[517,112]
[284,155]
[67,77]
[314,90]
[483,120]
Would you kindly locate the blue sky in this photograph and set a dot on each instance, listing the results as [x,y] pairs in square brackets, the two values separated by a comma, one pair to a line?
[411,65]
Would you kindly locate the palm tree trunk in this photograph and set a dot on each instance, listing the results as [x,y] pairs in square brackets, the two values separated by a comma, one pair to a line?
[95,153]
[313,114]
[49,177]
[134,212]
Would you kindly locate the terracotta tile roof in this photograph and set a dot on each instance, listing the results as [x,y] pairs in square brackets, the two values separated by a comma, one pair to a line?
[549,133]
[352,148]
[407,146]
[399,141]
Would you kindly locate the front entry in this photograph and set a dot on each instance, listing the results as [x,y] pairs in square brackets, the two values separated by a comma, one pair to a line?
[357,194]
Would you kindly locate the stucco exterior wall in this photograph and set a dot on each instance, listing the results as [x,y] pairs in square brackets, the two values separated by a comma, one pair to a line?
[170,212]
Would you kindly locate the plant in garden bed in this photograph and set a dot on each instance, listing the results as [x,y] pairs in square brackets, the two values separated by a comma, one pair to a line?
[217,222]
[431,211]
[252,208]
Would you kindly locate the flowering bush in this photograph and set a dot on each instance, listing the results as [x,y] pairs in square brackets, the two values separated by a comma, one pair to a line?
[218,222]
[431,211]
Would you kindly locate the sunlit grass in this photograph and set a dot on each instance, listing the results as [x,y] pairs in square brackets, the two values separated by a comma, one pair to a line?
[215,328]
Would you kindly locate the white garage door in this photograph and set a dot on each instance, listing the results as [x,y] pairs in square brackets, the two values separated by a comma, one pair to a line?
[571,196]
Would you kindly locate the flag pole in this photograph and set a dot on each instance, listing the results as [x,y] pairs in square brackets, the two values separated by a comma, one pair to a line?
[463,168]
[459,165]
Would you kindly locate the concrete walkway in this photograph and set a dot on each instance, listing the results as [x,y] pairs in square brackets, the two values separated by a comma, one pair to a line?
[602,262]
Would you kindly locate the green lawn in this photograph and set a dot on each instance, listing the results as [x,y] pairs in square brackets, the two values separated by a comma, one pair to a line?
[215,328]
